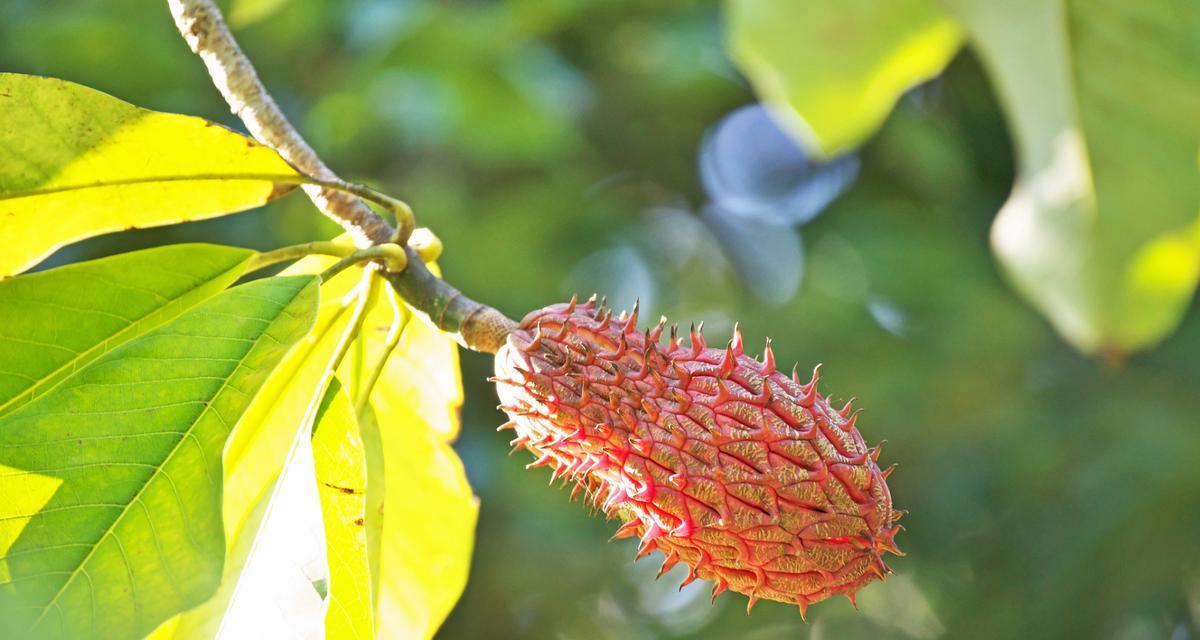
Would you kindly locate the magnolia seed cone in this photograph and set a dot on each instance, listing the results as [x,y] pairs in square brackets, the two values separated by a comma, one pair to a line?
[709,456]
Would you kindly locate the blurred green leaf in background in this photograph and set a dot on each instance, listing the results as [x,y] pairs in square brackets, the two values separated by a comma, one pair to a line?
[1100,231]
[841,66]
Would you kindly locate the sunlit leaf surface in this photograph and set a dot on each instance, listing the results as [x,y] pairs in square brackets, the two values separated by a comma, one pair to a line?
[54,323]
[429,510]
[75,163]
[420,511]
[423,378]
[116,470]
[341,473]
[259,445]
[428,530]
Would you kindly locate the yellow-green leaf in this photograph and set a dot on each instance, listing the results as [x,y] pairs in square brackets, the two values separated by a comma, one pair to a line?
[419,546]
[341,469]
[428,355]
[428,527]
[429,510]
[75,163]
[834,70]
[259,445]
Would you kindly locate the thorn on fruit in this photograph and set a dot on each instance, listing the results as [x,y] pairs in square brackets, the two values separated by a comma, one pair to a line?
[697,336]
[653,531]
[728,362]
[616,497]
[719,587]
[816,378]
[669,562]
[537,337]
[689,578]
[631,323]
[627,530]
[845,410]
[849,425]
[656,332]
[768,366]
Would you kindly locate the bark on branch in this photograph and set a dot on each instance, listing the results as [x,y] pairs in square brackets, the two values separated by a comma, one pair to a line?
[476,325]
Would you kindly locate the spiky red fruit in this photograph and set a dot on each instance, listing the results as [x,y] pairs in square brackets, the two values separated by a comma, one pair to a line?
[714,458]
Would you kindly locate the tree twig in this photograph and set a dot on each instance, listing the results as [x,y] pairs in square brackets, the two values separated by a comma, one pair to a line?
[476,325]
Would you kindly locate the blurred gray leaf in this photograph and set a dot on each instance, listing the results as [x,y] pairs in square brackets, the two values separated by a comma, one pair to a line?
[620,274]
[751,168]
[768,258]
[888,316]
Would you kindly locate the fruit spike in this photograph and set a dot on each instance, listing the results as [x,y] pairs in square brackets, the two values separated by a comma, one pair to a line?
[745,475]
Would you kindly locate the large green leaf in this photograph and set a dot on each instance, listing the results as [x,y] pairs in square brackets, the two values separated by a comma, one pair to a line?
[1100,231]
[111,518]
[108,301]
[834,70]
[259,445]
[75,163]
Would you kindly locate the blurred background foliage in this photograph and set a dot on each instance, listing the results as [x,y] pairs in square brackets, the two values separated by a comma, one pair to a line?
[563,146]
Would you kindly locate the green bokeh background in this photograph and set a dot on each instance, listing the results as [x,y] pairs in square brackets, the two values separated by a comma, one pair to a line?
[552,145]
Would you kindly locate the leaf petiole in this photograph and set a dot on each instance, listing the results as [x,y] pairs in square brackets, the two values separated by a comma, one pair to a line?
[405,221]
[399,322]
[298,251]
[392,255]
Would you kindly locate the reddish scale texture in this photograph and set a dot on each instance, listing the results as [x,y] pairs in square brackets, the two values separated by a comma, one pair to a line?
[710,456]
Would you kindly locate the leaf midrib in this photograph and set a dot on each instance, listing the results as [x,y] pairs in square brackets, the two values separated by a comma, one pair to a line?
[281,178]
